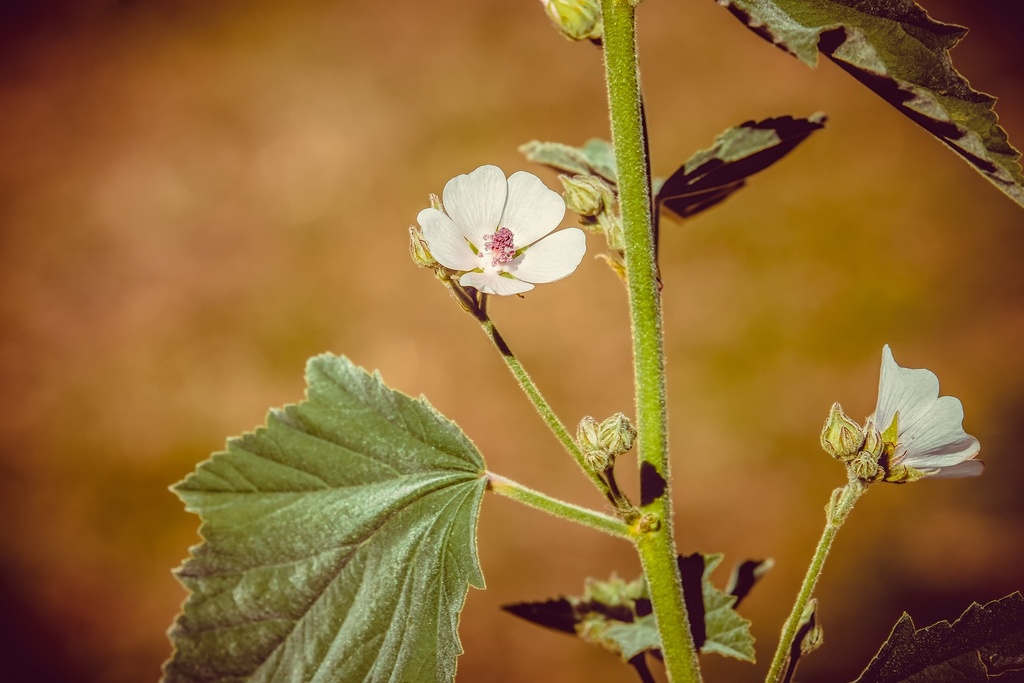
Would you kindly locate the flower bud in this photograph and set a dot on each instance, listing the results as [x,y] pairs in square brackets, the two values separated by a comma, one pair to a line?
[873,443]
[616,435]
[648,523]
[597,461]
[586,195]
[418,249]
[576,19]
[841,437]
[866,468]
[587,435]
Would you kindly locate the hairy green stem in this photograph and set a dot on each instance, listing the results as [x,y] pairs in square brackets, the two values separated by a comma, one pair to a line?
[573,513]
[654,541]
[838,510]
[538,401]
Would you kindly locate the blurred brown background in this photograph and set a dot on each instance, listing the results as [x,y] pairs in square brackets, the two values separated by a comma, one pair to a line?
[195,197]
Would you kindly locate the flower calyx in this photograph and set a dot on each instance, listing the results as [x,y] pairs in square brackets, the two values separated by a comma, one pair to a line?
[419,250]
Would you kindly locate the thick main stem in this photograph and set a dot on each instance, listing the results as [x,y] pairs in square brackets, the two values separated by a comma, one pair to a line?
[655,541]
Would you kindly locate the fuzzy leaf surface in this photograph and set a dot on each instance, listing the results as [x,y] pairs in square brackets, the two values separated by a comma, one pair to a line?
[985,644]
[595,157]
[902,54]
[726,632]
[339,541]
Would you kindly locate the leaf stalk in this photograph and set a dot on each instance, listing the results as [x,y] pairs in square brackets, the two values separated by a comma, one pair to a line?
[558,508]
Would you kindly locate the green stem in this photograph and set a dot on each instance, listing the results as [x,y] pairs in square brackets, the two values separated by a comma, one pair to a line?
[538,401]
[838,510]
[655,541]
[561,509]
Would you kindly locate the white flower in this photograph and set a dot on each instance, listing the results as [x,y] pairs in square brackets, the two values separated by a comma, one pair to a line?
[491,228]
[929,437]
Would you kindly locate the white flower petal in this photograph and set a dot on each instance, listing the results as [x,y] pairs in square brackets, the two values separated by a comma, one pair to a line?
[532,210]
[475,201]
[906,390]
[968,468]
[937,438]
[930,432]
[445,242]
[553,258]
[493,283]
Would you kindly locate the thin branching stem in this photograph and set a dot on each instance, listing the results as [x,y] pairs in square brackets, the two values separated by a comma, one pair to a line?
[837,511]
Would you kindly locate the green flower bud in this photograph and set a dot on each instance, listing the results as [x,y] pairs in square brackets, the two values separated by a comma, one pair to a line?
[648,523]
[866,468]
[586,195]
[587,435]
[873,444]
[597,461]
[616,435]
[576,19]
[418,249]
[841,437]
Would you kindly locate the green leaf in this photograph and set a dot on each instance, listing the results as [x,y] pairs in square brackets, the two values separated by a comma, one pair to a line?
[340,541]
[626,639]
[616,614]
[727,633]
[986,642]
[902,54]
[712,175]
[595,157]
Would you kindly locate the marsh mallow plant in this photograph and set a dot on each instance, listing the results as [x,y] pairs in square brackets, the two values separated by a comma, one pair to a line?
[339,539]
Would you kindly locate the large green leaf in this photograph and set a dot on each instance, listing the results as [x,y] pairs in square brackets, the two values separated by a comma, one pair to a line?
[902,54]
[340,541]
[985,643]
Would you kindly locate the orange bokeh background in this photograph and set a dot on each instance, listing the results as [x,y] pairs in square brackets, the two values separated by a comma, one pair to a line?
[196,197]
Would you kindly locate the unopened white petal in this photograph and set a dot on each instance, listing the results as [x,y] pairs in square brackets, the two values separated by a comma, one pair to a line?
[493,283]
[907,390]
[445,242]
[553,258]
[969,468]
[475,201]
[532,210]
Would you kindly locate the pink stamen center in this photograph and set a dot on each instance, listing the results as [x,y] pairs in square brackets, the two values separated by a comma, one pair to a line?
[501,247]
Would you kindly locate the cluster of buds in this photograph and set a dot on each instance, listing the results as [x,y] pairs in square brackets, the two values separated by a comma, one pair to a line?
[862,449]
[602,442]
